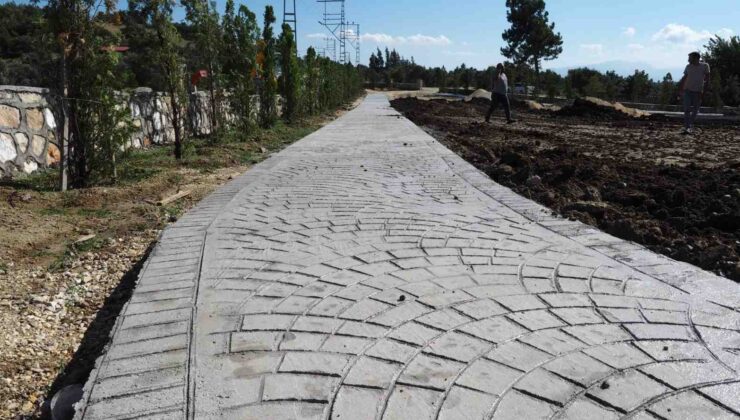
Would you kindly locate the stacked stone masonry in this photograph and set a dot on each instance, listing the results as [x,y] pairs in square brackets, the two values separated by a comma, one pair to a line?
[29,130]
[366,272]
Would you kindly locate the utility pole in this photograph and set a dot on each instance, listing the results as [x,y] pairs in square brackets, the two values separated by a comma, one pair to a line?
[291,18]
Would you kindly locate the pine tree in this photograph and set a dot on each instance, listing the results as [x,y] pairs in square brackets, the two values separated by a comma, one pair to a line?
[595,87]
[531,38]
[667,90]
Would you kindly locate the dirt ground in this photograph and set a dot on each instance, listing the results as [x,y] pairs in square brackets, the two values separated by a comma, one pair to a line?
[639,179]
[59,296]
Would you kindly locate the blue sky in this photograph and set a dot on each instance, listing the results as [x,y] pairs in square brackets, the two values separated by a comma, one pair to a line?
[651,33]
[657,33]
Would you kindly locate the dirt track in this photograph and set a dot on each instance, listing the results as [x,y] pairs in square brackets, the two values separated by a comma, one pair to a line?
[639,180]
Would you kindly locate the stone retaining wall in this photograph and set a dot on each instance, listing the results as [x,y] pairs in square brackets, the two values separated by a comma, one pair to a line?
[28,129]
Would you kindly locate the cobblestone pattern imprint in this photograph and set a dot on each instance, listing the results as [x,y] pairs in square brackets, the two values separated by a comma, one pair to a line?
[366,272]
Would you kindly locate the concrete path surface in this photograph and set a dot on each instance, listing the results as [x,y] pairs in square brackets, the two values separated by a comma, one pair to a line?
[366,272]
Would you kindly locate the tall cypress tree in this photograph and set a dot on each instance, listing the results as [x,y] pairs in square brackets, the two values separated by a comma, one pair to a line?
[268,93]
[290,70]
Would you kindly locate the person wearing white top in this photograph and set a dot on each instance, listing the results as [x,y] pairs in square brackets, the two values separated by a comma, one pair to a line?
[499,94]
[691,88]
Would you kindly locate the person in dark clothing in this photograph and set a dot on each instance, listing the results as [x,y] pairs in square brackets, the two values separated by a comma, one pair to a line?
[499,94]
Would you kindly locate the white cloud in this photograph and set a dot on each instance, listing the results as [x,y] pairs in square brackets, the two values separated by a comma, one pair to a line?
[629,31]
[315,36]
[725,33]
[418,40]
[460,53]
[377,38]
[681,34]
[593,49]
[635,47]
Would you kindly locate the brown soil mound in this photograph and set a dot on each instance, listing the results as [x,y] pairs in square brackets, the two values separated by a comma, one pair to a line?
[598,108]
[635,178]
[483,97]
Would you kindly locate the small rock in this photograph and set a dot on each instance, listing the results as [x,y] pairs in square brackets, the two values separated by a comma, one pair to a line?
[534,181]
[63,402]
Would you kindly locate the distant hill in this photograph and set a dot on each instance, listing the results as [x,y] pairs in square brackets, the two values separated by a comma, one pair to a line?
[626,68]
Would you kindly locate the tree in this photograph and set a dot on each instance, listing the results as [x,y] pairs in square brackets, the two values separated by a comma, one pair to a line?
[311,91]
[594,87]
[551,82]
[464,76]
[204,18]
[531,38]
[723,56]
[241,32]
[613,85]
[103,121]
[714,96]
[268,91]
[579,78]
[163,53]
[26,56]
[93,125]
[731,91]
[637,86]
[667,90]
[289,77]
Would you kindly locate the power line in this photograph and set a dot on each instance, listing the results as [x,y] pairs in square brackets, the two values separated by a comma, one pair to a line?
[347,35]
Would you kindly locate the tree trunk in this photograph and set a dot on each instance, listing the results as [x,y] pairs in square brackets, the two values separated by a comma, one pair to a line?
[64,136]
[79,152]
[176,123]
[212,94]
[536,76]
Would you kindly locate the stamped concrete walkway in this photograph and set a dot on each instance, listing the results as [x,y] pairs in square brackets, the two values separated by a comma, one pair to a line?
[366,272]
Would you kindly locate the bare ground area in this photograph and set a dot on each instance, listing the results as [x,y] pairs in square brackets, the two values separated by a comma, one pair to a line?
[639,179]
[60,296]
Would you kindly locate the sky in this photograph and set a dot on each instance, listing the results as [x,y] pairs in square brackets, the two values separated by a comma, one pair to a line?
[651,34]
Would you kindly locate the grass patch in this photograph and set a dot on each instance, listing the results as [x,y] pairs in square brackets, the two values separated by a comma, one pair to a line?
[126,207]
[230,148]
[98,213]
[72,249]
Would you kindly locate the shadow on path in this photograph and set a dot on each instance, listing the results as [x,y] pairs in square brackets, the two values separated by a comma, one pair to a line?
[97,336]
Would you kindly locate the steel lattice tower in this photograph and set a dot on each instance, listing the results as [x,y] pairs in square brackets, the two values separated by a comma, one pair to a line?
[353,36]
[334,20]
[291,18]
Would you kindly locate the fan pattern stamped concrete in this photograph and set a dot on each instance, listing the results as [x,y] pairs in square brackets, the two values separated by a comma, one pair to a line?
[366,272]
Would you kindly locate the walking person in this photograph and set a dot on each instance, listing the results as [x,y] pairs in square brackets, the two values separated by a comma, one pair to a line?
[499,95]
[691,89]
